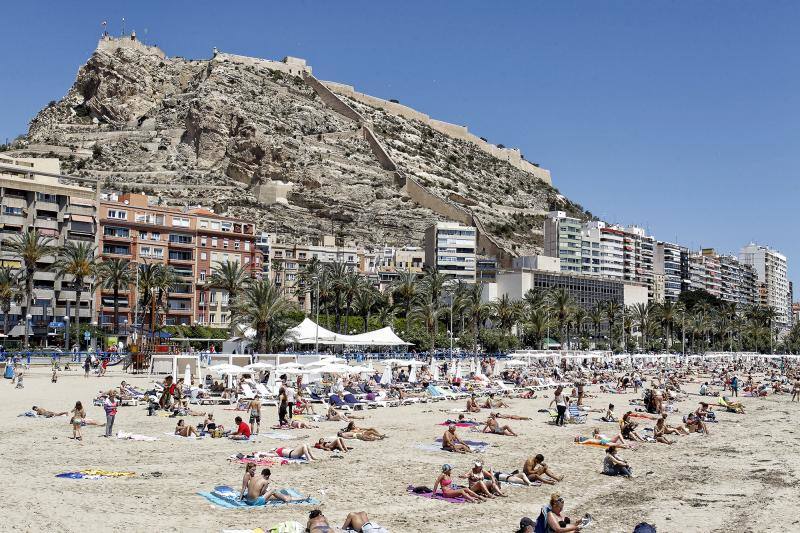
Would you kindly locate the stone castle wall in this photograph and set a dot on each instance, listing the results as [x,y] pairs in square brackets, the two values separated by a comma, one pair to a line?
[110,44]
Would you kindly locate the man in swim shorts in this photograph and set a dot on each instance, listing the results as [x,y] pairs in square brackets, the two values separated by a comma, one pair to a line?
[258,491]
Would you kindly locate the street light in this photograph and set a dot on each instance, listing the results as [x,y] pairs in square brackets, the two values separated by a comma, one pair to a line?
[316,321]
[28,327]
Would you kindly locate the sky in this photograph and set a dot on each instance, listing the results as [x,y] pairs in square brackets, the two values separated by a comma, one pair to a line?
[682,117]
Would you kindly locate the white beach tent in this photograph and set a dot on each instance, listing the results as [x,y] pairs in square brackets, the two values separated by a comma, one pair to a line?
[309,332]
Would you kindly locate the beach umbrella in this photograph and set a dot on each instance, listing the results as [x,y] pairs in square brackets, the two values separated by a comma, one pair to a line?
[187,375]
[436,376]
[386,378]
[412,377]
[271,381]
[458,370]
[258,367]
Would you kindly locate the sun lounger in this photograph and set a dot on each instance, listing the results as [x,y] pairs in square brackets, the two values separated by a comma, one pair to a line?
[337,402]
[353,402]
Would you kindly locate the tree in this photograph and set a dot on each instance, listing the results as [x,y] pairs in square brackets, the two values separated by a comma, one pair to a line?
[562,305]
[10,292]
[612,310]
[596,315]
[427,311]
[309,279]
[30,247]
[350,287]
[642,316]
[366,299]
[667,313]
[433,285]
[115,274]
[537,326]
[477,311]
[338,275]
[231,277]
[404,290]
[78,262]
[156,280]
[506,312]
[264,309]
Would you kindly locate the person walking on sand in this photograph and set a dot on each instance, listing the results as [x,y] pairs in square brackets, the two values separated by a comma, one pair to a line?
[78,414]
[110,406]
[255,414]
[87,366]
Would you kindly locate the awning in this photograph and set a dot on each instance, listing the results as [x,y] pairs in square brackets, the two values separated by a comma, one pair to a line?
[82,218]
[84,202]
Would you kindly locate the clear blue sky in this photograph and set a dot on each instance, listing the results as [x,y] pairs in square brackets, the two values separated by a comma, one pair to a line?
[683,117]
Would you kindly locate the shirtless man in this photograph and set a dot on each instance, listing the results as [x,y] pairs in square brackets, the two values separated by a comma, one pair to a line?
[357,522]
[255,414]
[258,491]
[452,443]
[493,427]
[536,469]
[491,402]
[472,405]
[47,414]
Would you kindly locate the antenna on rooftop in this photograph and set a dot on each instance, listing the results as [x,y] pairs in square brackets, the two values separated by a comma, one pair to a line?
[123,26]
[105,28]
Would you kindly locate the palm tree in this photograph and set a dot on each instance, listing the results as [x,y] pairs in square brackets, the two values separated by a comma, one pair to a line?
[115,274]
[338,276]
[231,277]
[506,312]
[562,305]
[9,293]
[386,311]
[77,261]
[535,299]
[642,316]
[596,315]
[612,310]
[30,247]
[404,290]
[579,317]
[309,279]
[263,308]
[366,299]
[165,282]
[477,311]
[537,326]
[433,284]
[156,280]
[350,287]
[667,313]
[428,311]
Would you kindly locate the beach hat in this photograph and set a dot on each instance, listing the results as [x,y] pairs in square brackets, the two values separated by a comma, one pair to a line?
[478,463]
[446,467]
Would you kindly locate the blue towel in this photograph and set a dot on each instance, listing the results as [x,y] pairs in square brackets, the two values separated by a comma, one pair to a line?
[224,496]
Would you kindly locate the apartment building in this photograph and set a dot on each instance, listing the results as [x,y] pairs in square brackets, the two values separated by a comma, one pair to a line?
[772,277]
[602,250]
[705,273]
[563,239]
[639,254]
[62,212]
[450,247]
[671,268]
[191,241]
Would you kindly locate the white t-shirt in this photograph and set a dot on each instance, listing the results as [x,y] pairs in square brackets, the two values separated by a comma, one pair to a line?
[289,395]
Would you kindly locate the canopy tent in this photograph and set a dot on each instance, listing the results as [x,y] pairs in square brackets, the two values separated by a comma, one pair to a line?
[309,332]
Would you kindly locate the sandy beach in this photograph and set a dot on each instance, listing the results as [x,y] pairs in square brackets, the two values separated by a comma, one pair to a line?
[743,477]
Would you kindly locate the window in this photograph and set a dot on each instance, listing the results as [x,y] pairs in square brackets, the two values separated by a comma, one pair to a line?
[155,236]
[116,232]
[227,226]
[180,239]
[215,226]
[203,256]
[237,244]
[202,278]
[179,255]
[12,210]
[203,241]
[247,260]
[224,243]
[44,197]
[117,214]
[203,224]
[214,241]
[116,250]
[148,218]
[182,222]
[246,246]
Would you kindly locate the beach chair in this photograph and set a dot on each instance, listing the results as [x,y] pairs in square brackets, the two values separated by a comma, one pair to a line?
[247,392]
[353,402]
[575,415]
[266,397]
[381,400]
[337,402]
[434,394]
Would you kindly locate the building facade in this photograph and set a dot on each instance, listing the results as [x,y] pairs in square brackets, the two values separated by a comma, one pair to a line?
[772,277]
[671,263]
[563,239]
[61,213]
[450,247]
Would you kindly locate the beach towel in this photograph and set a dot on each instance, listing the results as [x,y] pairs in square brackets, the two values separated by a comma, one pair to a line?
[595,444]
[462,424]
[266,459]
[472,443]
[228,498]
[31,414]
[432,496]
[279,436]
[94,474]
[132,436]
[193,437]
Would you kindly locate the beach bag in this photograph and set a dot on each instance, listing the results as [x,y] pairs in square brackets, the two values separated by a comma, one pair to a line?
[287,527]
[216,433]
[644,527]
[541,521]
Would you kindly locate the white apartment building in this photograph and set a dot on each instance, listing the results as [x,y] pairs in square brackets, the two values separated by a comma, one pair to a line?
[772,274]
[563,239]
[450,247]
[602,250]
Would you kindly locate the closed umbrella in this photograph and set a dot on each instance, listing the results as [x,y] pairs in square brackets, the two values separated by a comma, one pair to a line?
[386,378]
[412,377]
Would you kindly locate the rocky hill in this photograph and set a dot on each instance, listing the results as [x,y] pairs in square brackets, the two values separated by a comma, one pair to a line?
[266,140]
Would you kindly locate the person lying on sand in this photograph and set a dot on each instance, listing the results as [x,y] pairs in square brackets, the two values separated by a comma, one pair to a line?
[298,424]
[472,405]
[331,445]
[535,469]
[491,402]
[511,417]
[492,426]
[358,522]
[451,442]
[483,482]
[353,432]
[335,416]
[41,411]
[317,523]
[300,452]
[183,430]
[445,482]
[258,491]
[514,477]
[605,440]
[462,420]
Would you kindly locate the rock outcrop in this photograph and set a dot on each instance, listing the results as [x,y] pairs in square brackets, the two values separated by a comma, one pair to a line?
[216,131]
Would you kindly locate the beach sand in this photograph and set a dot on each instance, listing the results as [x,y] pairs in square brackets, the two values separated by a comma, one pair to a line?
[744,477]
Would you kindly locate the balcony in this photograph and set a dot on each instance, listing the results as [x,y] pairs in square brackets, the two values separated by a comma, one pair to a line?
[180,311]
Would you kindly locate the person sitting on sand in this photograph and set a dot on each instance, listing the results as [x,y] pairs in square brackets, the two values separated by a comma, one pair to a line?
[609,416]
[660,431]
[182,430]
[332,444]
[360,433]
[627,428]
[78,414]
[358,522]
[492,426]
[483,482]
[704,412]
[445,482]
[491,402]
[472,405]
[300,452]
[209,424]
[451,442]
[249,472]
[242,430]
[732,407]
[693,423]
[335,416]
[535,469]
[614,466]
[672,430]
[41,411]
[555,520]
[317,523]
[258,491]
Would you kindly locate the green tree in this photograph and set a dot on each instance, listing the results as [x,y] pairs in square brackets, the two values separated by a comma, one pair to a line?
[231,277]
[78,262]
[115,275]
[10,293]
[404,290]
[263,308]
[30,247]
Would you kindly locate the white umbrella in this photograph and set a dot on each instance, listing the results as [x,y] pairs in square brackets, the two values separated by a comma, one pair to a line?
[516,362]
[436,372]
[386,378]
[412,378]
[187,375]
[271,381]
[259,366]
[229,369]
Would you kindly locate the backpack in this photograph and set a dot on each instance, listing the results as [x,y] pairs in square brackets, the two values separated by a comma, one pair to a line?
[644,527]
[541,521]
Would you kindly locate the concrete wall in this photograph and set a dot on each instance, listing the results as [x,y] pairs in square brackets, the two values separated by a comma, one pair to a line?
[331,100]
[111,44]
[510,155]
[293,68]
[377,148]
[436,203]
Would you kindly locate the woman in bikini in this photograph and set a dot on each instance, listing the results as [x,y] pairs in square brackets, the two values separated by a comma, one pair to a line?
[603,440]
[300,424]
[445,482]
[183,430]
[483,482]
[472,405]
[331,445]
[353,432]
[78,415]
[249,472]
[335,416]
[301,452]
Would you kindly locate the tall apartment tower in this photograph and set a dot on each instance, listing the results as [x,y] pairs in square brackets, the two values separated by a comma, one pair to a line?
[563,239]
[60,212]
[671,263]
[772,276]
[639,254]
[602,250]
[450,247]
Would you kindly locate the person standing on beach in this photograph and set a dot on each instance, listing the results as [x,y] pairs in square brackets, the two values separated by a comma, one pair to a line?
[110,407]
[290,399]
[561,405]
[255,414]
[282,402]
[735,385]
[87,365]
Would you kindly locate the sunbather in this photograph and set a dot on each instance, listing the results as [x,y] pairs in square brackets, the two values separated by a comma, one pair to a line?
[249,472]
[335,416]
[258,491]
[78,414]
[628,428]
[733,407]
[445,482]
[371,433]
[242,430]
[491,402]
[41,411]
[604,440]
[613,465]
[483,482]
[511,417]
[299,424]
[695,424]
[300,452]
[660,431]
[183,430]
[317,523]
[358,522]
[472,405]
[332,444]
[609,416]
[451,442]
[492,426]
[556,521]
[535,469]
[514,477]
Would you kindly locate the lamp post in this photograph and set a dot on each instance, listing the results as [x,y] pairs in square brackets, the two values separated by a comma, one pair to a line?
[316,321]
[66,333]
[28,328]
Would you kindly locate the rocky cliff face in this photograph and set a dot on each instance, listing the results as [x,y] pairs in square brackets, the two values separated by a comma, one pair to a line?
[216,132]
